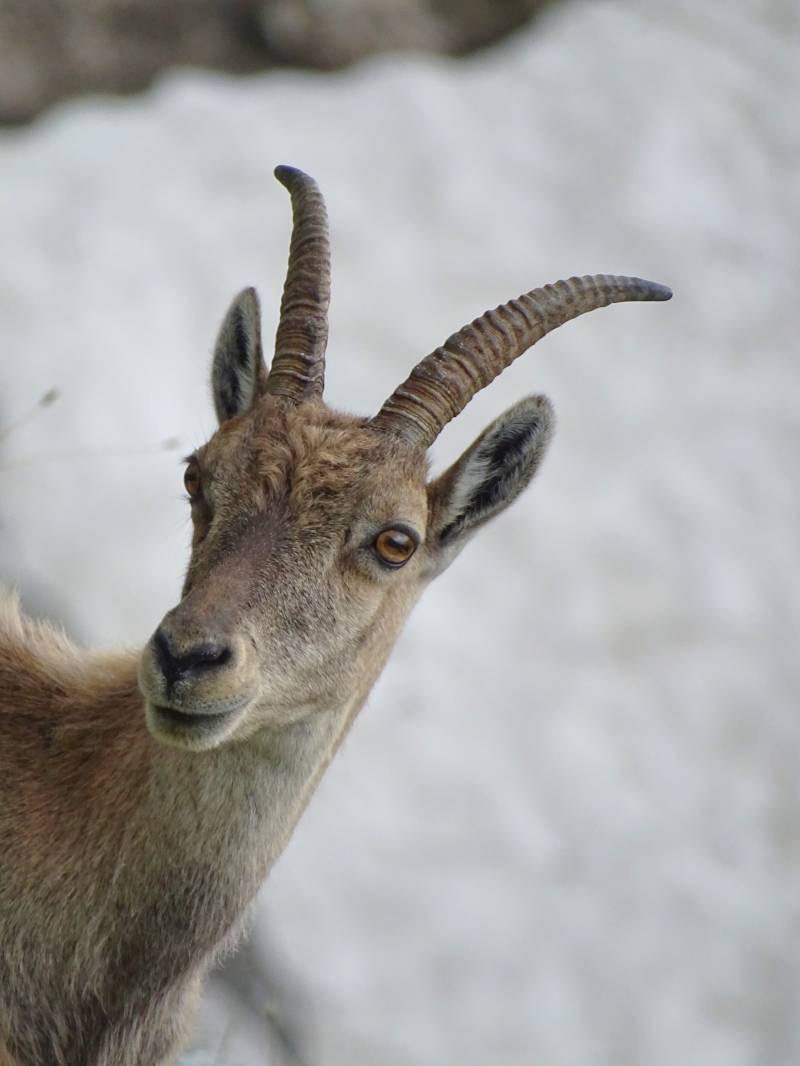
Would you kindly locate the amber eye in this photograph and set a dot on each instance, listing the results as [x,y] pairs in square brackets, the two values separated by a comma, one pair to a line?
[394,547]
[191,479]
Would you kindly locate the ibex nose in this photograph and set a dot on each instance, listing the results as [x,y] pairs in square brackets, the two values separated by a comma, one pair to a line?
[187,664]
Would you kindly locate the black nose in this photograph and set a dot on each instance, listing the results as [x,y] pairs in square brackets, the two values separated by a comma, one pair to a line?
[185,665]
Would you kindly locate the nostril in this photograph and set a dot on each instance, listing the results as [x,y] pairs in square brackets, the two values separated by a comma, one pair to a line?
[206,655]
[177,665]
[167,659]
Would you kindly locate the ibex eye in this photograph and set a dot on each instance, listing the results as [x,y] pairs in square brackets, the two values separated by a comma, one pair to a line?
[191,479]
[394,547]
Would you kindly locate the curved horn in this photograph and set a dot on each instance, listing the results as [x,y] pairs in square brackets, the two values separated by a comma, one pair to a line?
[444,382]
[298,366]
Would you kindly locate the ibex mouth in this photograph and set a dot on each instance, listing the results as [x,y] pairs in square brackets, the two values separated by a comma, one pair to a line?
[192,729]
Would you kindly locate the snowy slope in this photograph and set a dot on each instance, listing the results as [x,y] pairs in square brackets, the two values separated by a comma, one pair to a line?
[566,829]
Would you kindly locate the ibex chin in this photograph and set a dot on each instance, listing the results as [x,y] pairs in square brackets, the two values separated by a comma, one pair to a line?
[144,798]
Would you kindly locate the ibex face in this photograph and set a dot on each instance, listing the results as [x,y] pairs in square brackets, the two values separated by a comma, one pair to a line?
[315,532]
[298,581]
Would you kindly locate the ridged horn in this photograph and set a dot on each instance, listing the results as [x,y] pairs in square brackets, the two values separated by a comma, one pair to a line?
[298,366]
[444,382]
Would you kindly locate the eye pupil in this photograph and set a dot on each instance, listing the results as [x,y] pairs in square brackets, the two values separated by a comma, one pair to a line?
[191,480]
[394,546]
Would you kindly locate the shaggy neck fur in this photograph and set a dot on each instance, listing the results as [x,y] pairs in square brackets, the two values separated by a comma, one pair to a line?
[137,861]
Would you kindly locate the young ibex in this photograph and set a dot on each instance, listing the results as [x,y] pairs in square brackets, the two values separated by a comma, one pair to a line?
[144,798]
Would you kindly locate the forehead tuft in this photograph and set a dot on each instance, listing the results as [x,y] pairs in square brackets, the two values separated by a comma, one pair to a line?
[313,457]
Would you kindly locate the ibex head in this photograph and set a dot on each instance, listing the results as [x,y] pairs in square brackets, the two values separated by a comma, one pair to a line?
[315,532]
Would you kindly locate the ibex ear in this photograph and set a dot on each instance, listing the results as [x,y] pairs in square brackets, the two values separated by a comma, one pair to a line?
[489,476]
[238,372]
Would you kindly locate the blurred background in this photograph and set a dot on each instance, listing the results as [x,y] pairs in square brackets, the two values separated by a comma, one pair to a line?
[565,830]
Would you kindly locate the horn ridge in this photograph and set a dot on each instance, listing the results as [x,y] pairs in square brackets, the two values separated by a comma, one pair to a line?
[298,366]
[445,381]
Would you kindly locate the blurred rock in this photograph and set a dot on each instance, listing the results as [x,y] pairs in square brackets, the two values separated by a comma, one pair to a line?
[51,51]
[330,34]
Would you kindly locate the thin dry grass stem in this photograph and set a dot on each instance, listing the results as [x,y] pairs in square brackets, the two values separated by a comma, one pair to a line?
[47,400]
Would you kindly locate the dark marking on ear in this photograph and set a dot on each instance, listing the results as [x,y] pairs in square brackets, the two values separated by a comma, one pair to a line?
[241,338]
[238,370]
[495,469]
[229,396]
[511,446]
[501,457]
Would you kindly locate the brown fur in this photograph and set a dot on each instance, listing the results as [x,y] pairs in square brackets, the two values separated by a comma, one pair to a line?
[86,842]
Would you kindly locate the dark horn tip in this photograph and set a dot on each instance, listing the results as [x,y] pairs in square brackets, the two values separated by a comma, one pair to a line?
[287,175]
[656,291]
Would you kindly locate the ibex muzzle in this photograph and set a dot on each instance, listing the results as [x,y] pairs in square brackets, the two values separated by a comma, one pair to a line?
[199,670]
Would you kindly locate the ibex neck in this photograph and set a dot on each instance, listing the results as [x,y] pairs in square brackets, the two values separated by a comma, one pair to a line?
[127,864]
[239,804]
[221,819]
[149,838]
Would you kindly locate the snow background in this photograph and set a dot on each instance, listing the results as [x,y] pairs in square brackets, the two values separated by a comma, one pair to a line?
[565,831]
